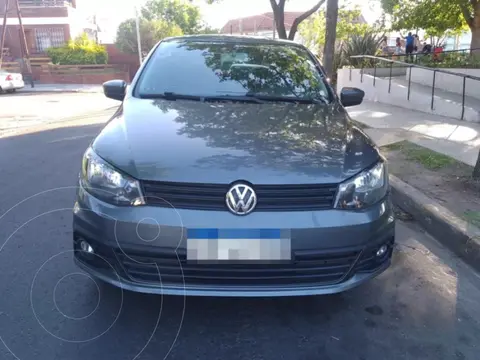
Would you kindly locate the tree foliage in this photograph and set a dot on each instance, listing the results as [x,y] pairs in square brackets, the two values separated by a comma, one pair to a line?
[313,30]
[176,12]
[209,30]
[278,8]
[437,17]
[151,32]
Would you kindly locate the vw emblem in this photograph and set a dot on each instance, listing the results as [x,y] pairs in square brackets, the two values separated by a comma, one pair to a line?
[241,199]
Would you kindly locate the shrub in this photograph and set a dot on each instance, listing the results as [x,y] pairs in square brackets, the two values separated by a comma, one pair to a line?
[450,60]
[367,44]
[81,51]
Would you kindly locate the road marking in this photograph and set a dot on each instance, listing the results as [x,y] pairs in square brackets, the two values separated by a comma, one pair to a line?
[72,138]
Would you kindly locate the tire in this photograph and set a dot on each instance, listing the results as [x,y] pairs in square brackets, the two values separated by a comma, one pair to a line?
[11,91]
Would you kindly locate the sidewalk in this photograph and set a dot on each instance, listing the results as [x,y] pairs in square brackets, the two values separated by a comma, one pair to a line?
[389,124]
[72,88]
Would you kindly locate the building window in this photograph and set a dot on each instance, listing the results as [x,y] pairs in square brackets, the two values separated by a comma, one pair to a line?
[46,38]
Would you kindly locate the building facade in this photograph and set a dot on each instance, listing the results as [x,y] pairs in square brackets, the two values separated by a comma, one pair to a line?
[47,23]
[259,25]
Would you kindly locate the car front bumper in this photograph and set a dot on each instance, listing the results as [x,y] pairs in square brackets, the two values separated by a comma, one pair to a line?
[143,249]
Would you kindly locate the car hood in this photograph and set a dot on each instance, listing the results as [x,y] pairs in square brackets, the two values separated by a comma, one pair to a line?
[269,143]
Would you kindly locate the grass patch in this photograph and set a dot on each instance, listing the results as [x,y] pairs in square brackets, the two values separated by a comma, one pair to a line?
[473,217]
[428,158]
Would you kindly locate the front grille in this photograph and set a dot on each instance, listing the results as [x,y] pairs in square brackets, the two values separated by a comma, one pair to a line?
[212,196]
[308,267]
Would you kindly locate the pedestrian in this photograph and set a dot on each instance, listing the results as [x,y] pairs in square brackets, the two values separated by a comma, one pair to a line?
[398,48]
[384,45]
[437,51]
[427,48]
[409,45]
[418,45]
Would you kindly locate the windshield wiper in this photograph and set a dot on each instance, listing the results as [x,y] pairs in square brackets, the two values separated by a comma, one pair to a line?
[248,97]
[207,98]
[287,99]
[170,96]
[239,98]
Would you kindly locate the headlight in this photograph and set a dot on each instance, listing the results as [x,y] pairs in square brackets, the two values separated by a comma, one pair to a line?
[105,183]
[365,189]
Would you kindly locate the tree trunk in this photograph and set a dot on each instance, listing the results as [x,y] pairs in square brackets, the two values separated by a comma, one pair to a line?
[474,23]
[475,43]
[330,36]
[280,25]
[279,16]
[476,169]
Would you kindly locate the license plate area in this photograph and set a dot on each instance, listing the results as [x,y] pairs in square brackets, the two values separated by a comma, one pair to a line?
[238,246]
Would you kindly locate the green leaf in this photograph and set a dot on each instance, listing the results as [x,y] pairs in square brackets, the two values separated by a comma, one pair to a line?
[436,17]
[313,29]
[151,32]
[176,12]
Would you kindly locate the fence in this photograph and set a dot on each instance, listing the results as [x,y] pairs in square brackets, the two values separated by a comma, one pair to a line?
[81,74]
[11,66]
[44,3]
[435,71]
[438,58]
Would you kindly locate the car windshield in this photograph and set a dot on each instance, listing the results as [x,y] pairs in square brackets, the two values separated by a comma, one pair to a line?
[200,68]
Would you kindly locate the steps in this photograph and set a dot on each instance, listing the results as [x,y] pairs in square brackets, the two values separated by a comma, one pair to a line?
[445,103]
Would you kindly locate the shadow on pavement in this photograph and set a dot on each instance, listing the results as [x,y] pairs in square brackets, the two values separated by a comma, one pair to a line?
[424,307]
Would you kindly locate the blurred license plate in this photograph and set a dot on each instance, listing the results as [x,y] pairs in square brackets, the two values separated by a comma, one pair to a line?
[238,245]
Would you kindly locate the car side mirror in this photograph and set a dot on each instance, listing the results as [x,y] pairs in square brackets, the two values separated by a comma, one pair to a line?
[115,89]
[350,96]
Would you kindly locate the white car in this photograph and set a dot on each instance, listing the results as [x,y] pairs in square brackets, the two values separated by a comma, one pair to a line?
[10,81]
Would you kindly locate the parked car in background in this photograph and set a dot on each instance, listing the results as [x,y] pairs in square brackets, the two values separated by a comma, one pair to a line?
[232,169]
[10,81]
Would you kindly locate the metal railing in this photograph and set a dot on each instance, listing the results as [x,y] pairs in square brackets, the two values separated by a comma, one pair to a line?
[460,51]
[433,58]
[410,66]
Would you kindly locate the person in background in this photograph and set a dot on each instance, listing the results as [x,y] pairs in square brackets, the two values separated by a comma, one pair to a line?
[427,48]
[409,46]
[437,52]
[417,45]
[398,48]
[384,46]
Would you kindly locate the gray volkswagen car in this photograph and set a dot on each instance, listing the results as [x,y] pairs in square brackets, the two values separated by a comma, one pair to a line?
[231,168]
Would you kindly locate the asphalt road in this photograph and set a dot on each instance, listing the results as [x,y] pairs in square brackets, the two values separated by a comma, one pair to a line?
[20,111]
[426,306]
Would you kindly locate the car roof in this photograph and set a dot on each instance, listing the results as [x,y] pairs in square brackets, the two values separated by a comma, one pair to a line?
[242,39]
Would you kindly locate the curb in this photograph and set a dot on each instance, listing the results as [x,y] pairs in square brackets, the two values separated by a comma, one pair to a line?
[66,91]
[455,233]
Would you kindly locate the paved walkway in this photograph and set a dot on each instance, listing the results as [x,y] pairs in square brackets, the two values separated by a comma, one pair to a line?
[389,124]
